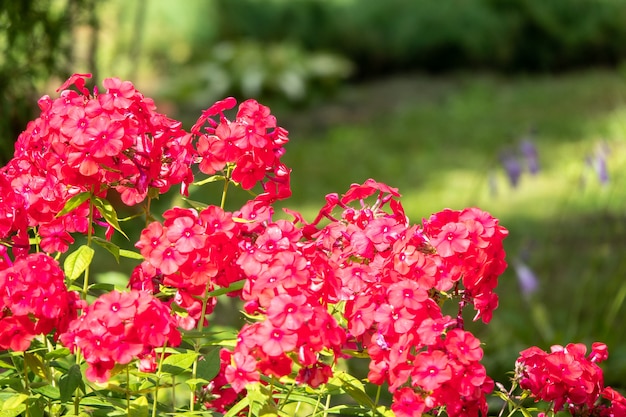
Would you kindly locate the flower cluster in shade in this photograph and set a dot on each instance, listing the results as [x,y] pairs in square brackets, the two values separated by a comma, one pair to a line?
[570,379]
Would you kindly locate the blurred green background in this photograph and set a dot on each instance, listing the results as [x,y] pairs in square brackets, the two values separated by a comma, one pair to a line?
[440,99]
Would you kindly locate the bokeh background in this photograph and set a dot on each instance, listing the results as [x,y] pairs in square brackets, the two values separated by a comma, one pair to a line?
[517,107]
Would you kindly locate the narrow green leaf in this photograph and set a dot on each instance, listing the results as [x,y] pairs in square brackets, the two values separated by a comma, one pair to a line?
[105,286]
[179,362]
[235,286]
[77,262]
[212,178]
[138,407]
[74,202]
[108,212]
[61,352]
[69,382]
[195,204]
[14,401]
[235,409]
[131,254]
[109,246]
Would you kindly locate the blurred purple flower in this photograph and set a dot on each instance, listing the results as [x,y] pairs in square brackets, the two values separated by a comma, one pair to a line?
[529,151]
[512,167]
[526,277]
[601,169]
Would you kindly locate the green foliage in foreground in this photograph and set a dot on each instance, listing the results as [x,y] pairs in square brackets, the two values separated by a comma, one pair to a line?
[439,140]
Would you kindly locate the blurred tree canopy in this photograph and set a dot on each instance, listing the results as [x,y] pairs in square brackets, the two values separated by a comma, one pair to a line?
[397,35]
[36,44]
[200,48]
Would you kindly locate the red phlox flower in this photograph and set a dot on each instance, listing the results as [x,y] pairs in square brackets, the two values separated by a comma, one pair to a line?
[33,292]
[463,346]
[368,188]
[241,371]
[277,366]
[248,171]
[407,403]
[432,369]
[185,231]
[118,328]
[452,239]
[289,312]
[314,375]
[118,94]
[55,237]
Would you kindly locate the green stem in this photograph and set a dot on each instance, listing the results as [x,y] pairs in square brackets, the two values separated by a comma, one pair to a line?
[158,377]
[194,373]
[377,395]
[327,405]
[127,389]
[229,171]
[89,235]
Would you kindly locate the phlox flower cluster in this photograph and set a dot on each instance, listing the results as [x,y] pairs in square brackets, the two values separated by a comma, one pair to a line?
[33,301]
[249,147]
[191,252]
[120,327]
[360,279]
[570,379]
[370,281]
[91,142]
[115,139]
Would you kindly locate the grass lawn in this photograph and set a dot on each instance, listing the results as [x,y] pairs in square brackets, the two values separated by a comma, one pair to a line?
[439,140]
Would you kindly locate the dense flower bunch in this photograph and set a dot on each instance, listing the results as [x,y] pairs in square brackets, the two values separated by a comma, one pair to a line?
[359,280]
[250,146]
[33,301]
[120,327]
[369,280]
[190,252]
[570,380]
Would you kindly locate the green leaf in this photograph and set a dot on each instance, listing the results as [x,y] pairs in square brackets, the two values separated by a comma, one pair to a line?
[196,204]
[131,254]
[108,212]
[69,382]
[354,388]
[179,362]
[102,286]
[14,402]
[61,352]
[235,286]
[209,365]
[235,409]
[138,407]
[212,178]
[48,391]
[74,202]
[77,262]
[193,382]
[109,246]
[13,413]
[36,365]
